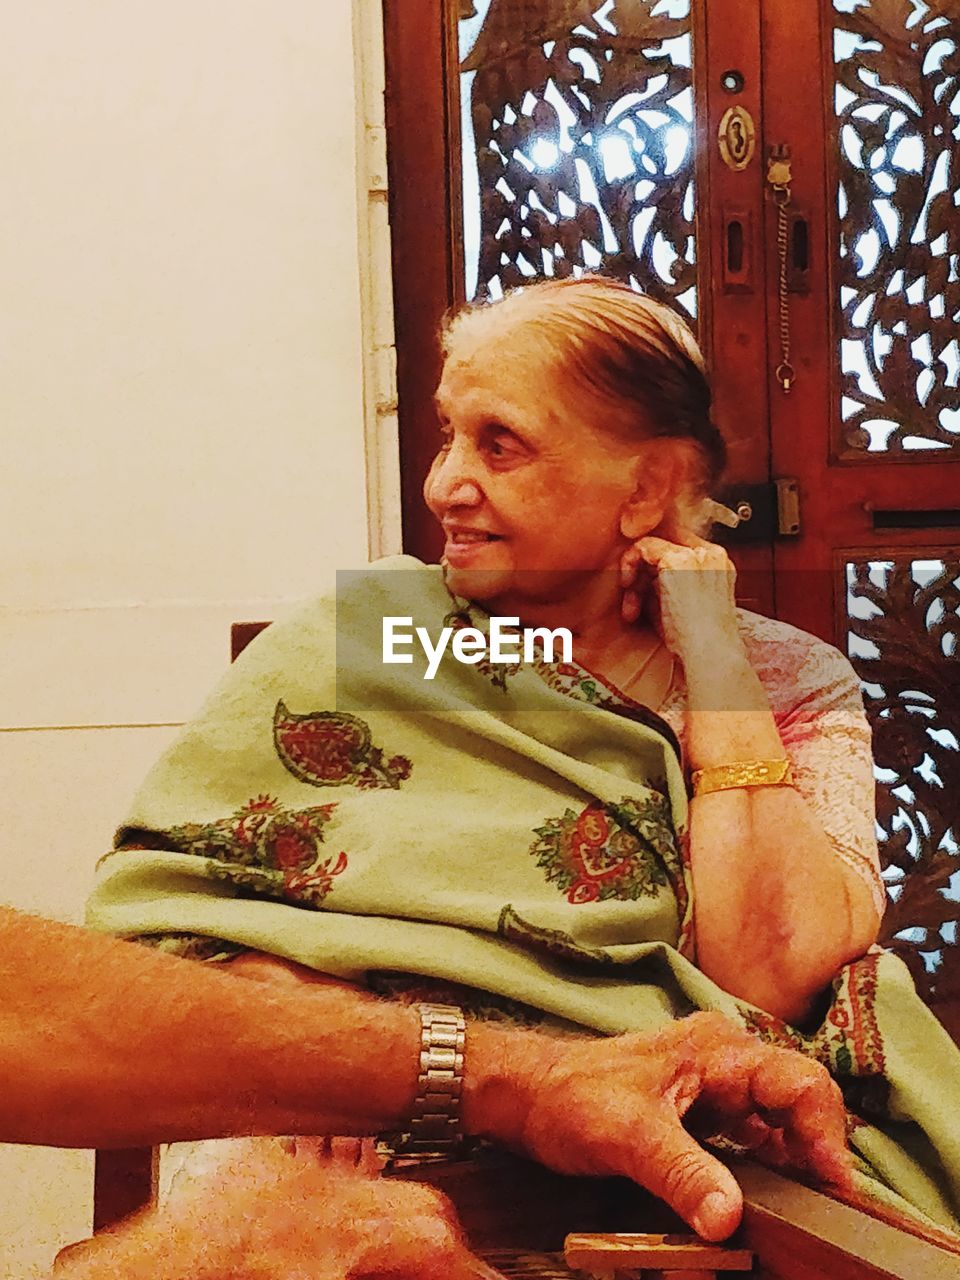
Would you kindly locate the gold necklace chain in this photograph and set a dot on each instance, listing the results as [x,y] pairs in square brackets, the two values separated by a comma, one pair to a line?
[638,674]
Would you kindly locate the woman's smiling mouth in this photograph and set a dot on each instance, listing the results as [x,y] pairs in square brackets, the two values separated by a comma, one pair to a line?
[466,537]
[465,545]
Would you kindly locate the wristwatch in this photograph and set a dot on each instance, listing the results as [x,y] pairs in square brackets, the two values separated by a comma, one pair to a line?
[434,1131]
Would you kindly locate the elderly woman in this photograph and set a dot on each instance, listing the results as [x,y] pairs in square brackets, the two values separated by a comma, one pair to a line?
[519,838]
[578,449]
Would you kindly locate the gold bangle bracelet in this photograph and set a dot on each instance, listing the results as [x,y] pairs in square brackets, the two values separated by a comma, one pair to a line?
[743,773]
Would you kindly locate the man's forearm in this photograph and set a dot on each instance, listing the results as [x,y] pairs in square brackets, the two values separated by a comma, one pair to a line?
[105,1043]
[109,1044]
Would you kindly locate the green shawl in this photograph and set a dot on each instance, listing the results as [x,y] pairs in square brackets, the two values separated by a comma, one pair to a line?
[518,830]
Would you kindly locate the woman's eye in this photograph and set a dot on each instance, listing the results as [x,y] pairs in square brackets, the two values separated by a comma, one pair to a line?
[502,444]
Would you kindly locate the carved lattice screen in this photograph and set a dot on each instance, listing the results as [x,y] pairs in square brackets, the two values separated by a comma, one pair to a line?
[904,630]
[577,143]
[897,103]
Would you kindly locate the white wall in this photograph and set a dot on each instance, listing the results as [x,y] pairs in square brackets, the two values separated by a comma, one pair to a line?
[194,356]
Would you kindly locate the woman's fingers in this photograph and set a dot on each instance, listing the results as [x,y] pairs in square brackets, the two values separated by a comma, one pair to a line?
[630,563]
[655,551]
[674,531]
[630,606]
[650,552]
[644,551]
[651,556]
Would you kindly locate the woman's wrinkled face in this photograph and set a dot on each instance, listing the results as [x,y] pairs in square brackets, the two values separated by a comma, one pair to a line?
[528,490]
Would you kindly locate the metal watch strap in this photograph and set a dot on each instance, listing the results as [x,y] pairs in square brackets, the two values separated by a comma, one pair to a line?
[434,1130]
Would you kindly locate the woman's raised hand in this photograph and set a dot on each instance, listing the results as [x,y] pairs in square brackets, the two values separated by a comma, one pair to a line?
[687,584]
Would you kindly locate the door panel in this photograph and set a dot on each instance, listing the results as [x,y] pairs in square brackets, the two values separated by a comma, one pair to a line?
[873,126]
[422,192]
[848,322]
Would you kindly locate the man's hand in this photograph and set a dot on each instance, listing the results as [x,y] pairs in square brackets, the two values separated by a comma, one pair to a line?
[615,1106]
[270,1215]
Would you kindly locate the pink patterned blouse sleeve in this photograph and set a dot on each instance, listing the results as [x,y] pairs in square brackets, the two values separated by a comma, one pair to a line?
[816,701]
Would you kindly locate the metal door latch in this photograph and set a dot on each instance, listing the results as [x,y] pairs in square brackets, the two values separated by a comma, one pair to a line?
[766,511]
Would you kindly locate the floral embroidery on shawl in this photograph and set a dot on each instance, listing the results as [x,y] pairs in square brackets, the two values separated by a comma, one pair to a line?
[263,847]
[848,1041]
[609,850]
[574,681]
[851,1029]
[577,682]
[681,878]
[568,678]
[496,672]
[332,749]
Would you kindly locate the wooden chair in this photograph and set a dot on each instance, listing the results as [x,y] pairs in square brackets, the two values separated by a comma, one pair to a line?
[788,1233]
[126,1180]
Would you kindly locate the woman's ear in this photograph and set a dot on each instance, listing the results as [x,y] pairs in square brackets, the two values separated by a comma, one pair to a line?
[658,476]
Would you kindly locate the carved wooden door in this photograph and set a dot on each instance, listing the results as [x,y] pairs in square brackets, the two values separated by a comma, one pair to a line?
[546,137]
[871,429]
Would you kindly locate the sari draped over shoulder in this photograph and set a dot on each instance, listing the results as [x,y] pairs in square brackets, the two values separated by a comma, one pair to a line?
[493,827]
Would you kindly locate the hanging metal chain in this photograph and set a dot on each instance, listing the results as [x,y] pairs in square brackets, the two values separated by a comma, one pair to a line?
[779,176]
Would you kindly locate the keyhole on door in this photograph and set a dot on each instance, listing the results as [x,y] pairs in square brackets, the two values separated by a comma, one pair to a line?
[734,246]
[738,140]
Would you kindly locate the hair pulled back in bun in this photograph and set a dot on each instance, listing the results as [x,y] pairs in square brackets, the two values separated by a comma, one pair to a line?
[631,352]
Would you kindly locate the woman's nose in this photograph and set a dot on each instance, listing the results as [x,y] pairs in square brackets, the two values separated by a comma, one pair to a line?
[452,481]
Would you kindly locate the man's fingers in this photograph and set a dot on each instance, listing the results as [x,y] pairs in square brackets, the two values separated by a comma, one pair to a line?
[789,1091]
[455,1263]
[811,1107]
[426,1246]
[693,1183]
[751,1133]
